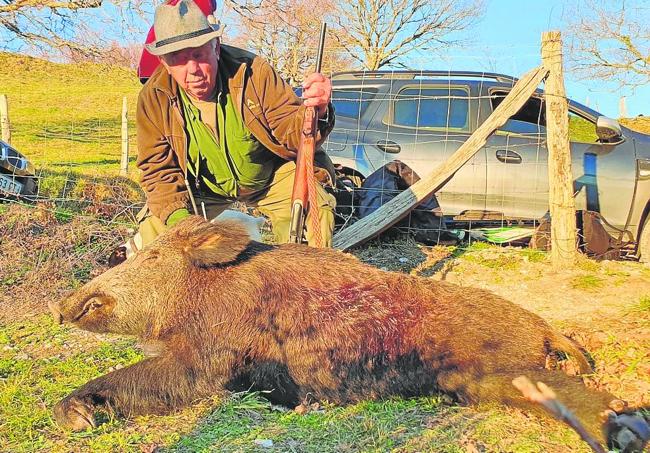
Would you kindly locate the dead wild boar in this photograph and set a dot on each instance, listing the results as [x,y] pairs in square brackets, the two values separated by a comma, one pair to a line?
[228,313]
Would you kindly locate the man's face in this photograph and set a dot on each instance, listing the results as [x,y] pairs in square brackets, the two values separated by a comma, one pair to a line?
[195,69]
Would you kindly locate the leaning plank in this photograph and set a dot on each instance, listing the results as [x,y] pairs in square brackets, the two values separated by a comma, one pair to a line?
[390,213]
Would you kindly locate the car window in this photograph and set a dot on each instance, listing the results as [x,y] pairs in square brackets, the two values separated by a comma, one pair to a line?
[446,108]
[352,102]
[581,129]
[530,119]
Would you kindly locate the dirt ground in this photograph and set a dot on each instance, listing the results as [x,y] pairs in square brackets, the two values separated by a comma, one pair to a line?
[604,306]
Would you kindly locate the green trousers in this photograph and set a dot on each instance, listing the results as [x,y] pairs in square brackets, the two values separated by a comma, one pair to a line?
[274,202]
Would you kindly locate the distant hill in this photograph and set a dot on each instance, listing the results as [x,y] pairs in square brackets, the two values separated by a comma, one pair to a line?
[67,113]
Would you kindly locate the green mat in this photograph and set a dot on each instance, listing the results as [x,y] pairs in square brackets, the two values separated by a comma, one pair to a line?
[502,235]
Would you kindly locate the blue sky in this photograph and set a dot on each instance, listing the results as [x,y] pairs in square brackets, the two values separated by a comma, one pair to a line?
[508,39]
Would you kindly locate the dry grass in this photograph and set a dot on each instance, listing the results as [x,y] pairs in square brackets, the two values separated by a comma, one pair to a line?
[639,124]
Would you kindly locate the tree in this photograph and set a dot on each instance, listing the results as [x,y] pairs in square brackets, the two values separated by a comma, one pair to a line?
[68,26]
[285,33]
[378,33]
[610,41]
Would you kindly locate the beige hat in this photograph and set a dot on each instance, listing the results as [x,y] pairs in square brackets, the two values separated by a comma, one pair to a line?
[181,25]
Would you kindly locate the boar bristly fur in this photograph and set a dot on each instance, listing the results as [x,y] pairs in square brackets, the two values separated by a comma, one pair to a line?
[227,313]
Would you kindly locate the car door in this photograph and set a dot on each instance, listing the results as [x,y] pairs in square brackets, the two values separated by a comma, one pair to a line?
[517,166]
[424,125]
[355,104]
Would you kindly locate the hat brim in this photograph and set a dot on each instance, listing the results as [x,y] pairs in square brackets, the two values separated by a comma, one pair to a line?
[196,41]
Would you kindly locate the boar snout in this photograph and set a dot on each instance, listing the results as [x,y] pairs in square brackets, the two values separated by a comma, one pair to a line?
[55,309]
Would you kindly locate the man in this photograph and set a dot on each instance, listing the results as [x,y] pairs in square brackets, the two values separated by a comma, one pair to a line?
[216,124]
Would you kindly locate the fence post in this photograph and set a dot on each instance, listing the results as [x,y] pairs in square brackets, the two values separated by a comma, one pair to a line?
[5,125]
[124,163]
[560,178]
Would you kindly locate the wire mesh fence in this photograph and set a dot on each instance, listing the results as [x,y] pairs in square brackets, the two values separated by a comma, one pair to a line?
[392,128]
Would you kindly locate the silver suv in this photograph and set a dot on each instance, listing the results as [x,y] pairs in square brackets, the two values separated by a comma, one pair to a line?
[422,117]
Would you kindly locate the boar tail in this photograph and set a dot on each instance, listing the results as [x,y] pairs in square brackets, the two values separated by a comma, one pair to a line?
[561,343]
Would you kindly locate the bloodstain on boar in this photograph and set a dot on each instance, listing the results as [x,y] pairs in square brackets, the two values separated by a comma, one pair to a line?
[228,313]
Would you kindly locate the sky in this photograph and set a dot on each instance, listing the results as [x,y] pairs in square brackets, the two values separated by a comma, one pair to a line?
[508,39]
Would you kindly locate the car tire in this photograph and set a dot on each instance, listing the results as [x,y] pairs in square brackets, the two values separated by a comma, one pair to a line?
[643,248]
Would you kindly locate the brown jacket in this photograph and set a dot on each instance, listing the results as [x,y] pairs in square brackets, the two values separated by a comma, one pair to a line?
[268,106]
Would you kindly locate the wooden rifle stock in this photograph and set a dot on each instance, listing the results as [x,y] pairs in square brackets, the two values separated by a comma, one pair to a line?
[304,197]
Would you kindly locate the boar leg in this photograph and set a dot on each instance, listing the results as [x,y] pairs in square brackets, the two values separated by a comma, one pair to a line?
[155,385]
[588,405]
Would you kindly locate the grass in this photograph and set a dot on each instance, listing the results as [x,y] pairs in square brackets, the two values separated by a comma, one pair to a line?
[38,366]
[63,114]
[587,282]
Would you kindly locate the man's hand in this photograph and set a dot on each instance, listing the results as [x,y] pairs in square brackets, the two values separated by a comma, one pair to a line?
[317,92]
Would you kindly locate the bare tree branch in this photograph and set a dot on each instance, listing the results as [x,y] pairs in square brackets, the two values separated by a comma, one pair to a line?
[83,28]
[610,41]
[544,396]
[285,32]
[377,33]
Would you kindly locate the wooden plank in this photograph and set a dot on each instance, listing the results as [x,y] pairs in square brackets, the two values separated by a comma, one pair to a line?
[5,125]
[124,163]
[390,213]
[560,178]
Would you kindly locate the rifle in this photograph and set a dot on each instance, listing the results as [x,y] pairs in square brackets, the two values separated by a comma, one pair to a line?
[304,197]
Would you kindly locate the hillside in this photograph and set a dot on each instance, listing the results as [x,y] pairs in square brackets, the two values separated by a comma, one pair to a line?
[67,114]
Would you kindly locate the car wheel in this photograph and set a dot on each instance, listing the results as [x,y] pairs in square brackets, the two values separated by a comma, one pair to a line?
[643,249]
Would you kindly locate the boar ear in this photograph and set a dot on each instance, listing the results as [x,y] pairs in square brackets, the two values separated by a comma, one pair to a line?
[210,244]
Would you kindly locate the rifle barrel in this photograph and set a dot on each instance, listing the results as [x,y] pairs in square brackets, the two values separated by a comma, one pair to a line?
[321,46]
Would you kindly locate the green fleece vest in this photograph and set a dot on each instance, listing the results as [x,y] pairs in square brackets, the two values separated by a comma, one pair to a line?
[237,159]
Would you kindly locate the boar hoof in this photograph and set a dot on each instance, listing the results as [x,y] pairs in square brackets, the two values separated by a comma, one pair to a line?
[74,414]
[626,432]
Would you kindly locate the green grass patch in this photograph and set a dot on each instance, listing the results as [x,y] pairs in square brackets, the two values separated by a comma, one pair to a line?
[38,367]
[581,130]
[496,261]
[533,255]
[68,115]
[246,419]
[587,282]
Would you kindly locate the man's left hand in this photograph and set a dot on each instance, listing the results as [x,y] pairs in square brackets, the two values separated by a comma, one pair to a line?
[317,92]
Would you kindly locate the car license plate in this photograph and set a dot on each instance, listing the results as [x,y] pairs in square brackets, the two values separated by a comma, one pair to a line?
[10,185]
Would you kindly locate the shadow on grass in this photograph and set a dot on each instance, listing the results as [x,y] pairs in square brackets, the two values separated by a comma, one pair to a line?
[89,130]
[247,422]
[89,163]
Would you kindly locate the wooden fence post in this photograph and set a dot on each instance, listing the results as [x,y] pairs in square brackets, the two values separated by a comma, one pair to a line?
[124,163]
[560,178]
[5,125]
